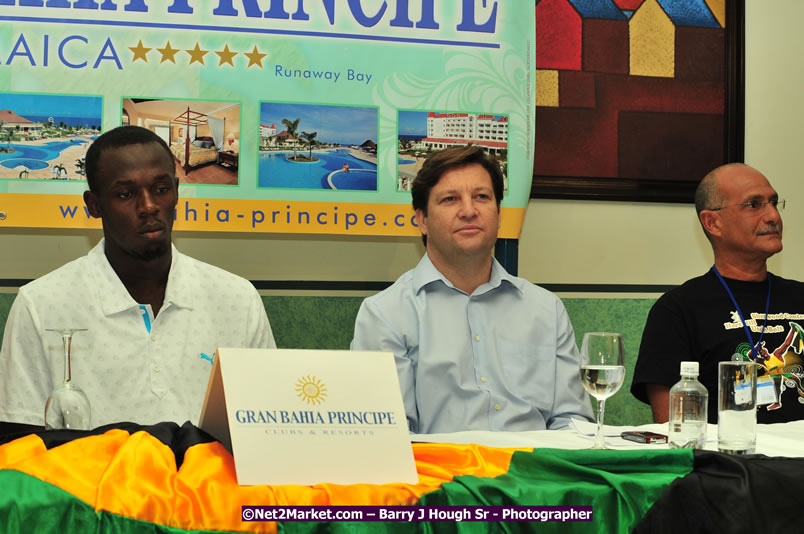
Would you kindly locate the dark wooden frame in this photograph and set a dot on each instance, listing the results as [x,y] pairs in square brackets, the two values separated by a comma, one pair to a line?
[597,188]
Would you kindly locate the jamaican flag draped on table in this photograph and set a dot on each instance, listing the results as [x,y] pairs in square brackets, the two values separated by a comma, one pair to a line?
[129,478]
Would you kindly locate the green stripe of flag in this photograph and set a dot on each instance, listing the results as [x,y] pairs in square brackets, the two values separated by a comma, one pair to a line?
[619,485]
[28,505]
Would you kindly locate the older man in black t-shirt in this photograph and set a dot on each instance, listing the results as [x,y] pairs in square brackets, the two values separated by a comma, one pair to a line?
[702,320]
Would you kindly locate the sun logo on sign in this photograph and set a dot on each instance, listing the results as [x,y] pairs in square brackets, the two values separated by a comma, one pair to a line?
[311,390]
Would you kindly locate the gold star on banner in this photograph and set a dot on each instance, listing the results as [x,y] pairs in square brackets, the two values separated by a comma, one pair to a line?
[196,54]
[226,56]
[139,52]
[254,57]
[168,53]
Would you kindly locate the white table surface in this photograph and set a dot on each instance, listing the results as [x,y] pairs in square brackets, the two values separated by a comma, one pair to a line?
[780,439]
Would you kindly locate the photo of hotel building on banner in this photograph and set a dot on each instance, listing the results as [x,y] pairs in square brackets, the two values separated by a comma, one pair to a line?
[423,132]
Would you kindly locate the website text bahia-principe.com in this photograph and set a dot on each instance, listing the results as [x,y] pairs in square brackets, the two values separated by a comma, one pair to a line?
[356,218]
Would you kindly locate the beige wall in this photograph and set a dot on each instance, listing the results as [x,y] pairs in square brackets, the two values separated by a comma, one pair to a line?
[254,256]
[562,241]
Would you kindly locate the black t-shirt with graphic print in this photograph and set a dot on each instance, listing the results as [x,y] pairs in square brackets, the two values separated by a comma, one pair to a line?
[698,322]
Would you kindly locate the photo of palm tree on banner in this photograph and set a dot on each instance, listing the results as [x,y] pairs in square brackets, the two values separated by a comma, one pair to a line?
[309,146]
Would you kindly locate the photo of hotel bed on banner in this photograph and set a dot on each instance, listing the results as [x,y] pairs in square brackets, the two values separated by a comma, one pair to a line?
[424,132]
[204,136]
[46,137]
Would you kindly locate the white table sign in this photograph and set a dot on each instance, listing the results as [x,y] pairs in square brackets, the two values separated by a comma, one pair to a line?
[309,416]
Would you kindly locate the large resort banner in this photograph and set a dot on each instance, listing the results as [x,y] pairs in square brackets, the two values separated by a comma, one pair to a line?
[283,115]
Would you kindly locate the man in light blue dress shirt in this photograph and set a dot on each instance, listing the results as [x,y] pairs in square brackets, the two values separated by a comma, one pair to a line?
[475,348]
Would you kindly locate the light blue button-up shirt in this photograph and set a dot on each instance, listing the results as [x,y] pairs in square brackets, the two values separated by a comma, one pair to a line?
[502,358]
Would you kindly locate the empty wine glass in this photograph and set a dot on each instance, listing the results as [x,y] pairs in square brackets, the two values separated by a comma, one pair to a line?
[67,406]
[602,372]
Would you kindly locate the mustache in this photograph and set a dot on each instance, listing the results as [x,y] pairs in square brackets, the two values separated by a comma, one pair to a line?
[771,228]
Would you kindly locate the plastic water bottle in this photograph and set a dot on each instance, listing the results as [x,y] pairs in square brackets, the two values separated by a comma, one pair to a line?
[688,410]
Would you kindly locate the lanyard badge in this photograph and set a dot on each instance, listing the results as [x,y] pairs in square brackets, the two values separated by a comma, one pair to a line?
[766,391]
[753,354]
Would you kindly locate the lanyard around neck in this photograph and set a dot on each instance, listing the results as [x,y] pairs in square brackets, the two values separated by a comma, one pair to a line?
[740,313]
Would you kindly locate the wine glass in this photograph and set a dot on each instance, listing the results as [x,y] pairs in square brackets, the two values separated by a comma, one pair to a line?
[602,372]
[67,406]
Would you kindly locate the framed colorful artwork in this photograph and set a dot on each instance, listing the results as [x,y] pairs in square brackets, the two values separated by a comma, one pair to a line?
[636,99]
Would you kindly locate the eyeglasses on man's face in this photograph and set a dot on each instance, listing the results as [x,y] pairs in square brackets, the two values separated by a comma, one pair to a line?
[756,205]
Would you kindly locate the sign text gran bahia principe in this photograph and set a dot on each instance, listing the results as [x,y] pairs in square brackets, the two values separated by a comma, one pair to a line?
[367,13]
[312,18]
[315,417]
[312,391]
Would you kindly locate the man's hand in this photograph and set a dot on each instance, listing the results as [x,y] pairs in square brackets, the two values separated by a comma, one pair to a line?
[659,398]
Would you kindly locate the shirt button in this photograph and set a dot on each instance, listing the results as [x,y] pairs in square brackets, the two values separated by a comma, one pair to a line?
[497,407]
[482,378]
[477,338]
[156,369]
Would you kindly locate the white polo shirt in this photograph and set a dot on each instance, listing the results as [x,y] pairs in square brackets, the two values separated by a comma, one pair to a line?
[132,366]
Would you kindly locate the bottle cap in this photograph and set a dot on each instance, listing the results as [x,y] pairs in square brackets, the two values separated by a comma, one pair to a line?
[689,368]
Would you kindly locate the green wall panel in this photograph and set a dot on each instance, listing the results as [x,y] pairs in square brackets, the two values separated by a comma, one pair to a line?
[626,317]
[5,306]
[328,323]
[312,322]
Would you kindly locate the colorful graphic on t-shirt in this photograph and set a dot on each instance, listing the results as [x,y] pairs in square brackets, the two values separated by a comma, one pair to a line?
[785,364]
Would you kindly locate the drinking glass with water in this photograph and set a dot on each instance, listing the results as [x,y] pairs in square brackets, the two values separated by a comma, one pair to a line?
[737,407]
[602,372]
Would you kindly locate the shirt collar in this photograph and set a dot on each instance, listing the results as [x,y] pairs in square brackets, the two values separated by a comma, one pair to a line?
[115,298]
[426,273]
[181,281]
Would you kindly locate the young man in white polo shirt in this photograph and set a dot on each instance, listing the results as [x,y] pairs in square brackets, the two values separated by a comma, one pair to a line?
[154,316]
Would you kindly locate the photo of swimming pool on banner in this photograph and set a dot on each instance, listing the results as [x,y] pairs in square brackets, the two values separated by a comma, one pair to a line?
[311,146]
[46,137]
